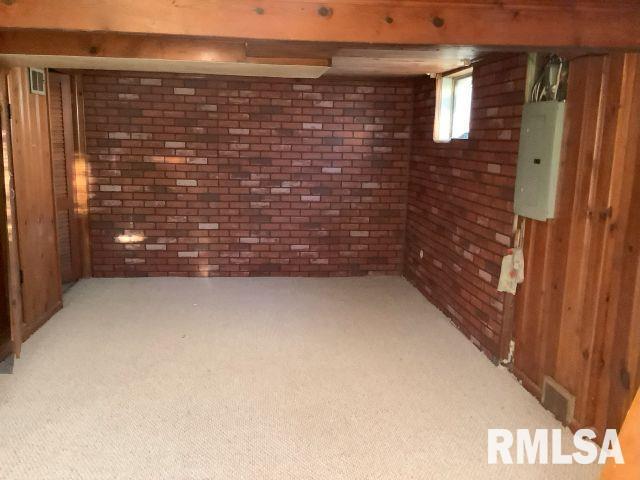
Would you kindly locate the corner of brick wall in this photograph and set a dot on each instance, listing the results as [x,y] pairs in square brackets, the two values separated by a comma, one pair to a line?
[239,176]
[460,201]
[246,176]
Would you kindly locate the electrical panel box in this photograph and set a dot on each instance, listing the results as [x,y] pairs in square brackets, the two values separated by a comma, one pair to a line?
[539,159]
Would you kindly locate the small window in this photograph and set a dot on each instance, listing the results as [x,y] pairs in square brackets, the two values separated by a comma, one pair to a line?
[36,81]
[453,106]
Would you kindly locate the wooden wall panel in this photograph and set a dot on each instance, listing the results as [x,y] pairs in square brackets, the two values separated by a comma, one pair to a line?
[5,324]
[578,312]
[620,326]
[35,213]
[12,266]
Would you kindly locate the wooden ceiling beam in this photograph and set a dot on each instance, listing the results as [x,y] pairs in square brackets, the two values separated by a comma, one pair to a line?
[527,24]
[118,51]
[148,53]
[118,45]
[115,45]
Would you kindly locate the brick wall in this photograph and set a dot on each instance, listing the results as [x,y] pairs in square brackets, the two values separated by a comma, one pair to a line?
[460,208]
[238,176]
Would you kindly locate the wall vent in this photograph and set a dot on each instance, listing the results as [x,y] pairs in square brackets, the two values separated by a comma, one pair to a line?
[37,81]
[558,400]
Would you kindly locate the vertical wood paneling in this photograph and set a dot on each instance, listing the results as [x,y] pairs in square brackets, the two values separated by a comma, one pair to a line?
[600,269]
[614,389]
[35,213]
[579,221]
[12,266]
[577,314]
[5,324]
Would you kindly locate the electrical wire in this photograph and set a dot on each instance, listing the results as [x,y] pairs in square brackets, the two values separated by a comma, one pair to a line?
[547,85]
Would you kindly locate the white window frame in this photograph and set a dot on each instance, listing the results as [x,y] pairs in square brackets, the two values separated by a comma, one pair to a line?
[443,120]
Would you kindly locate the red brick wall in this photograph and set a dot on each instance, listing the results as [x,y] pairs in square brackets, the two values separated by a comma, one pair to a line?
[238,176]
[460,208]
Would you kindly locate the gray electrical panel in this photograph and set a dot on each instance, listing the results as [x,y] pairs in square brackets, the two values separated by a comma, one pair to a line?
[539,159]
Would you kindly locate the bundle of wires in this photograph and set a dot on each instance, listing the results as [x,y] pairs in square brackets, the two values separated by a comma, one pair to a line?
[548,85]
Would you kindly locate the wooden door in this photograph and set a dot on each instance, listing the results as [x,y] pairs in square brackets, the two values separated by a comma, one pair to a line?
[61,127]
[34,204]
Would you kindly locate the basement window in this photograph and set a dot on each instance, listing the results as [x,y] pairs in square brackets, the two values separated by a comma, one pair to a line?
[453,106]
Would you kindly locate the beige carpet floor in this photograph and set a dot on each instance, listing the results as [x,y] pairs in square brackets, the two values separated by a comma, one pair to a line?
[342,378]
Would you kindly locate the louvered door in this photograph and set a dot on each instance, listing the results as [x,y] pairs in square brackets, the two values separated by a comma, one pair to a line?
[62,153]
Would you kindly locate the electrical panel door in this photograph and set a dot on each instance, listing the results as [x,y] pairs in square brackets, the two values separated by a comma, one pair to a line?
[539,159]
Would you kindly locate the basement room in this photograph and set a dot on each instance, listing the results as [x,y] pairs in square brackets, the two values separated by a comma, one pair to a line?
[283,239]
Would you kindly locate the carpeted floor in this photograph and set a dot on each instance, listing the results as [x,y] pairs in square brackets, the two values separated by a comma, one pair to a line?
[356,378]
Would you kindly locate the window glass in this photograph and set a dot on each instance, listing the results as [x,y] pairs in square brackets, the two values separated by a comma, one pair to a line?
[461,107]
[453,106]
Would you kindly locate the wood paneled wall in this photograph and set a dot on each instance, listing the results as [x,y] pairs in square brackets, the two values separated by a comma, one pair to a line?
[5,325]
[12,265]
[578,312]
[35,212]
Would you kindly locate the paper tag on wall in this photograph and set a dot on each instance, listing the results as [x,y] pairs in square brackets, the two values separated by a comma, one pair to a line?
[512,271]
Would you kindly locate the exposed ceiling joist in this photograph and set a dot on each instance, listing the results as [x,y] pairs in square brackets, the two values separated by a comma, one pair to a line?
[235,57]
[114,45]
[246,69]
[532,23]
[148,53]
